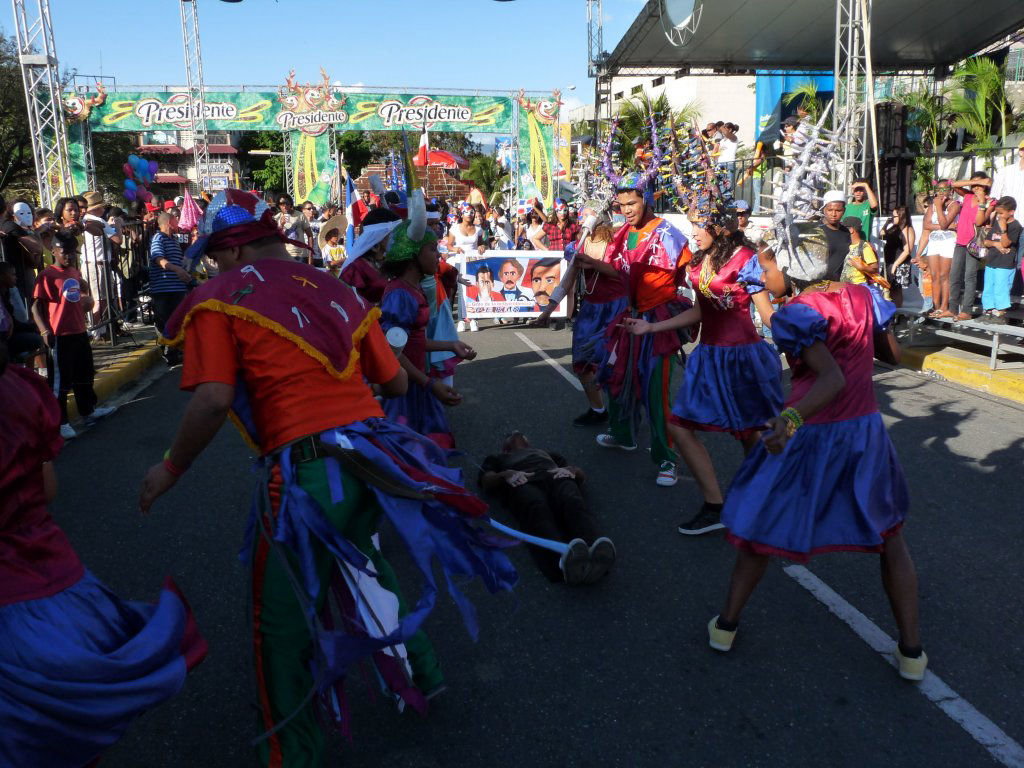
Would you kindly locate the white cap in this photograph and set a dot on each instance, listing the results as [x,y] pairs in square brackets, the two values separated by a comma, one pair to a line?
[833,196]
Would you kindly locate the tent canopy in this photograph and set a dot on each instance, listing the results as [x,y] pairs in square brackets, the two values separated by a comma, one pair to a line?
[800,34]
[441,159]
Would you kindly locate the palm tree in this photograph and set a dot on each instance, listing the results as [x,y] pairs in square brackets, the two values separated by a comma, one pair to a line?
[486,173]
[979,101]
[807,93]
[635,121]
[929,112]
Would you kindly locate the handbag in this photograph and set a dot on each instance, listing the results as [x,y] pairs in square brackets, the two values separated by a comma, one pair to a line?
[976,247]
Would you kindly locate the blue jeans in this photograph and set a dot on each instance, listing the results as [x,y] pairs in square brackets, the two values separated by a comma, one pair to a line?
[996,293]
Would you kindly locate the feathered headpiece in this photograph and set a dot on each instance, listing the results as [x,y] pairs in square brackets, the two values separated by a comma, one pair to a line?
[411,235]
[642,180]
[593,189]
[699,186]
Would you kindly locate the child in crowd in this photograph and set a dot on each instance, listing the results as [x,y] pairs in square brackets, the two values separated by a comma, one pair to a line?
[62,299]
[1001,241]
[333,252]
[862,260]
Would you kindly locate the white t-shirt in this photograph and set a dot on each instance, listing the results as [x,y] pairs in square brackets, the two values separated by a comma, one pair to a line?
[1010,181]
[727,150]
[468,243]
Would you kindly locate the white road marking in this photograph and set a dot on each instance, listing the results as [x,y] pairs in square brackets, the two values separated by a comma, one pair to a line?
[980,728]
[573,381]
[989,735]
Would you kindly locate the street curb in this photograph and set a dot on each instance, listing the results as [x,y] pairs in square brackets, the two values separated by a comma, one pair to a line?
[112,378]
[976,375]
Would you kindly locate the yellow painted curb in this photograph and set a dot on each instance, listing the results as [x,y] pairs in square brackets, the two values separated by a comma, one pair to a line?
[112,378]
[970,373]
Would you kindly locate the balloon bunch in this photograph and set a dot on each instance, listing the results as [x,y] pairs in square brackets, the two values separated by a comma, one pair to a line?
[138,174]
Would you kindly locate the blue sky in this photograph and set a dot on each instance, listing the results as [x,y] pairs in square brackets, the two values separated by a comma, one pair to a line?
[534,44]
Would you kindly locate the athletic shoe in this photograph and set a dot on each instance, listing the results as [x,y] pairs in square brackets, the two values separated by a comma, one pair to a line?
[99,413]
[473,327]
[720,639]
[602,558]
[591,418]
[607,441]
[998,320]
[667,475]
[574,562]
[68,432]
[461,327]
[705,521]
[911,669]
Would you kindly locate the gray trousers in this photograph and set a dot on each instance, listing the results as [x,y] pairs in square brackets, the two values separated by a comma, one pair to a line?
[963,281]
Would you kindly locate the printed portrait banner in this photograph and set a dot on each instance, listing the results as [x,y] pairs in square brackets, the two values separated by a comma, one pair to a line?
[266,111]
[511,283]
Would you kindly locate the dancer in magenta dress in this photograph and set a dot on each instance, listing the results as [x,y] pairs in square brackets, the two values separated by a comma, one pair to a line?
[77,663]
[733,378]
[825,477]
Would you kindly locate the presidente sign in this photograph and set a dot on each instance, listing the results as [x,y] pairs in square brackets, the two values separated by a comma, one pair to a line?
[308,109]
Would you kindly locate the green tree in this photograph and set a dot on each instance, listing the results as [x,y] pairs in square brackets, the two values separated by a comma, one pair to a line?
[635,126]
[979,102]
[110,151]
[17,170]
[807,93]
[355,150]
[485,172]
[266,171]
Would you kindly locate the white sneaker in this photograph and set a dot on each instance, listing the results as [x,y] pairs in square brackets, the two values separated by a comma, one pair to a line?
[461,327]
[68,432]
[99,413]
[473,327]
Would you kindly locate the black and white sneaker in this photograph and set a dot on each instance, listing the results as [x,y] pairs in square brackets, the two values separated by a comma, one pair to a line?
[591,418]
[705,521]
[575,562]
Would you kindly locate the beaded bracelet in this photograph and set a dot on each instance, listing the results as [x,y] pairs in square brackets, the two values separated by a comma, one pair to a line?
[793,419]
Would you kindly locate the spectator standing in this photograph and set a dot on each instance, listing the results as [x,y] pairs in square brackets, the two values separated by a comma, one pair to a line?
[898,246]
[312,218]
[295,226]
[465,237]
[861,259]
[864,205]
[561,229]
[837,237]
[1009,182]
[168,278]
[19,246]
[729,144]
[480,220]
[98,237]
[535,234]
[939,242]
[20,334]
[1001,242]
[963,275]
[62,299]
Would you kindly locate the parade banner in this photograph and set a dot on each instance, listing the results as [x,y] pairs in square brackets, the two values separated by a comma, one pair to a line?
[514,284]
[311,162]
[306,109]
[537,148]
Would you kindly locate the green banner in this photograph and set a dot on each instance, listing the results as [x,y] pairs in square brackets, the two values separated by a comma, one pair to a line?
[537,161]
[313,168]
[290,110]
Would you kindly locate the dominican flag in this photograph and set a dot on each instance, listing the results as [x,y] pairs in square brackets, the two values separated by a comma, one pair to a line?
[423,153]
[351,205]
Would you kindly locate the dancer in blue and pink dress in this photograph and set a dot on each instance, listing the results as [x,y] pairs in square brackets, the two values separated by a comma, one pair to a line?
[733,378]
[825,477]
[77,663]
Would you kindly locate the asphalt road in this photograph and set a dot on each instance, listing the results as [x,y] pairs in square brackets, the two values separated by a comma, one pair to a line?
[619,674]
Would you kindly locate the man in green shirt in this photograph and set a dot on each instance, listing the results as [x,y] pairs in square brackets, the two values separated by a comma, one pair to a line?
[864,205]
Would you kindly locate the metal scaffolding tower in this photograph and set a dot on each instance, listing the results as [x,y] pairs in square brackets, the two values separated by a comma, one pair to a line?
[852,84]
[37,56]
[195,90]
[595,63]
[289,170]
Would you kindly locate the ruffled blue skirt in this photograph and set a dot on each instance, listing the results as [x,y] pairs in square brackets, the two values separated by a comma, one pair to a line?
[592,320]
[78,666]
[730,389]
[421,412]
[835,487]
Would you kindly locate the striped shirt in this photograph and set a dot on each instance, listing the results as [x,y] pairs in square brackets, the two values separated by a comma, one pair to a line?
[164,280]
